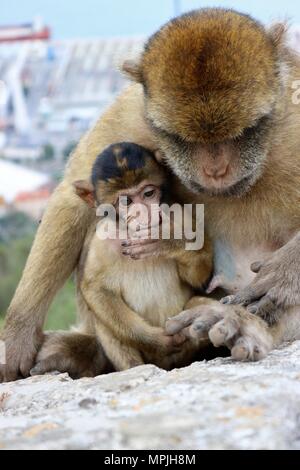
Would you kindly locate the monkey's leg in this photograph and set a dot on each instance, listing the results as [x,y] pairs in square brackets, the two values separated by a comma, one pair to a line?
[191,306]
[247,336]
[80,355]
[194,348]
[124,323]
[122,356]
[52,260]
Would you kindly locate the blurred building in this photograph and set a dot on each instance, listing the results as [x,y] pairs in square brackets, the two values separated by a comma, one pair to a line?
[54,91]
[33,203]
[51,92]
[14,179]
[21,154]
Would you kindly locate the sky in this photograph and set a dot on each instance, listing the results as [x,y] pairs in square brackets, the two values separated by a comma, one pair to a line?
[95,18]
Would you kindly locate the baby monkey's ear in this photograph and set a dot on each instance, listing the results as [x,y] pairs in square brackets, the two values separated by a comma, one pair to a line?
[85,190]
[159,156]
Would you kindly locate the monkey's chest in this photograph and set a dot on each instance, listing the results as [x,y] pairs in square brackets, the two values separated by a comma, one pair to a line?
[232,265]
[154,290]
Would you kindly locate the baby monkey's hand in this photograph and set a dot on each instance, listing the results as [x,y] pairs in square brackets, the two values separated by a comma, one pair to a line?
[165,344]
[146,244]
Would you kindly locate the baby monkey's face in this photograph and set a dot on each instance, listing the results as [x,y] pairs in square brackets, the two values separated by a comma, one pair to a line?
[140,206]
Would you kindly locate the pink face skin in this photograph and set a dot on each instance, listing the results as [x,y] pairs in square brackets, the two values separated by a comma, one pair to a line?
[137,207]
[217,166]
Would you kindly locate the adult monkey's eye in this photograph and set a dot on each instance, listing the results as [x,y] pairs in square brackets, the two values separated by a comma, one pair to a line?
[149,193]
[125,201]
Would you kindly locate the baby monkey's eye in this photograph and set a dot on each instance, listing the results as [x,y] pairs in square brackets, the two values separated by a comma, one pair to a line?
[149,193]
[125,201]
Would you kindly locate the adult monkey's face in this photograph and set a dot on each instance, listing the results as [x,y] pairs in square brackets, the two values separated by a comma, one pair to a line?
[212,80]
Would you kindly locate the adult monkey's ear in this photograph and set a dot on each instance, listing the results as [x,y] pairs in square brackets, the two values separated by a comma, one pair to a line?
[133,69]
[85,190]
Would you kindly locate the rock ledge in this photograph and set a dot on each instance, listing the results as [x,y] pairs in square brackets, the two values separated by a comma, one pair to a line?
[218,404]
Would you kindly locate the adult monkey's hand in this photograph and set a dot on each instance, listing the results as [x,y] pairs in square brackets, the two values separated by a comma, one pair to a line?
[18,355]
[276,285]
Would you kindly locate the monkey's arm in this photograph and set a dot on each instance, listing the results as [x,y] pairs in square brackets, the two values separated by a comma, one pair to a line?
[51,262]
[276,286]
[195,267]
[61,235]
[123,322]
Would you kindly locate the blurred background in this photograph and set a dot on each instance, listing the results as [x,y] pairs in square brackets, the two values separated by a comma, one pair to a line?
[58,72]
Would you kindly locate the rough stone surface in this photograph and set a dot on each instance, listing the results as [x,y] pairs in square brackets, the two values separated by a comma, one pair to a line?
[218,404]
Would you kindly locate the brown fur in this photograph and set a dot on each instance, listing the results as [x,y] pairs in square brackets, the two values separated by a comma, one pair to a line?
[124,299]
[269,212]
[195,58]
[107,190]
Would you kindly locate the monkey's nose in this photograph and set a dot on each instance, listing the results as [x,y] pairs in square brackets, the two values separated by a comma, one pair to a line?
[216,172]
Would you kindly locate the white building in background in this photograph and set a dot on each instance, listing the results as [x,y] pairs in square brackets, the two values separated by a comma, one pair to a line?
[15,180]
[61,87]
[21,154]
[33,203]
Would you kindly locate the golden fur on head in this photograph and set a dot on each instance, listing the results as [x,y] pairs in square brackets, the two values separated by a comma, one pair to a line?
[215,71]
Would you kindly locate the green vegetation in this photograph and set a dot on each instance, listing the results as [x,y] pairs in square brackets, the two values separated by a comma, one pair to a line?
[16,226]
[69,149]
[16,236]
[48,152]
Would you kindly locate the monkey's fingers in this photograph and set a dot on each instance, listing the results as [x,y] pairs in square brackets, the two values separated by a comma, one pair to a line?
[180,338]
[266,308]
[141,251]
[8,374]
[181,321]
[202,325]
[50,364]
[256,267]
[141,234]
[223,332]
[136,242]
[244,334]
[247,296]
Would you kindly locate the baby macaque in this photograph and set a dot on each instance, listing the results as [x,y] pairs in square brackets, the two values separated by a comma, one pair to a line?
[125,299]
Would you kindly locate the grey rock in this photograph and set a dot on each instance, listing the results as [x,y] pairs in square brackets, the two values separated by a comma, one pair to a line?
[220,404]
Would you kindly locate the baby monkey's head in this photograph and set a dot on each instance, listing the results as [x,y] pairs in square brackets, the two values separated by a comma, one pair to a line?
[125,175]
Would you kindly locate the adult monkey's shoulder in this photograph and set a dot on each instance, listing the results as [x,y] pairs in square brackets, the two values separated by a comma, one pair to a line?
[123,121]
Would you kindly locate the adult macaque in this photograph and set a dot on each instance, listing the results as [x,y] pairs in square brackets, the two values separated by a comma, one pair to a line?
[214,93]
[124,303]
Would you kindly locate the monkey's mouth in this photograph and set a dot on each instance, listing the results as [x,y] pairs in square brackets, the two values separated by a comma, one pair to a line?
[237,189]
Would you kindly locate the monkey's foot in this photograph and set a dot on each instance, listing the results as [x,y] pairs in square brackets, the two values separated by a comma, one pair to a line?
[246,335]
[77,354]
